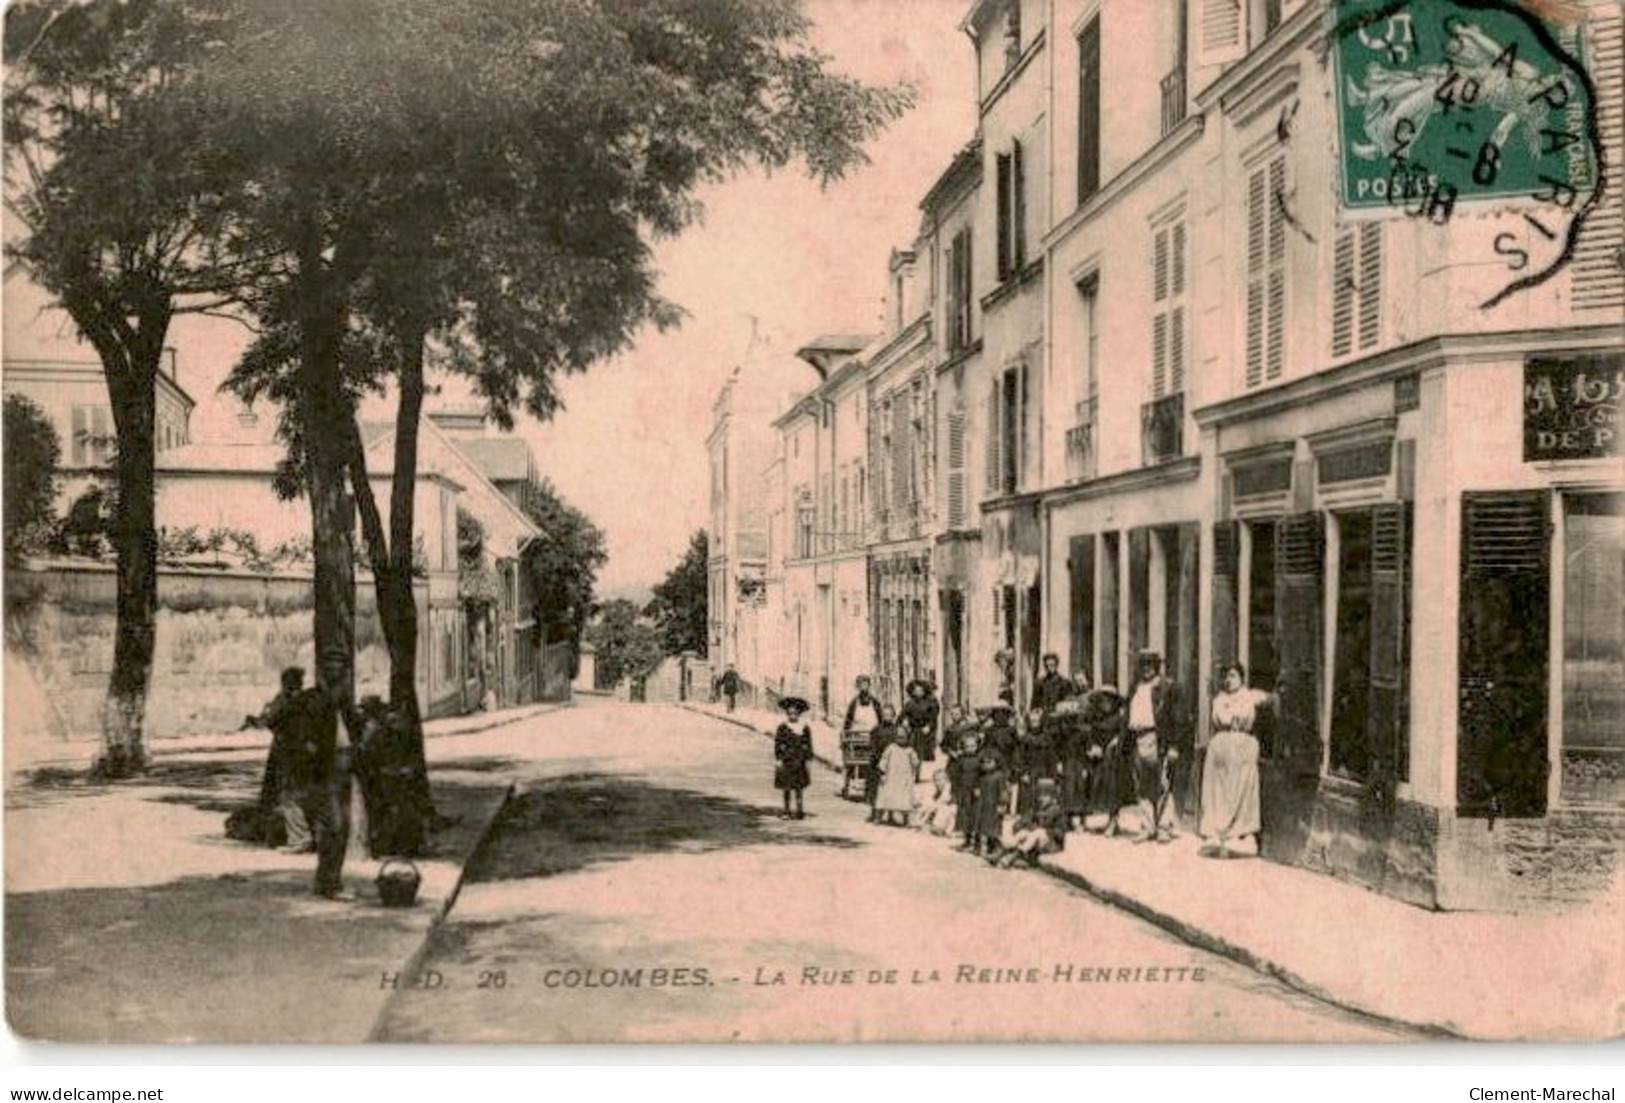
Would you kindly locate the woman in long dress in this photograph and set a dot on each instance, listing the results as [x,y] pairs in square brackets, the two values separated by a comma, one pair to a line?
[898,766]
[1230,801]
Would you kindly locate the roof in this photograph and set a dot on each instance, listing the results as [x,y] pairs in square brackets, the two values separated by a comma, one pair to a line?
[256,459]
[834,342]
[500,459]
[965,165]
[498,509]
[25,367]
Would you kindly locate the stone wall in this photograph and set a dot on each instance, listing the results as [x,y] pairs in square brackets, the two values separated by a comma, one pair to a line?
[1569,856]
[222,640]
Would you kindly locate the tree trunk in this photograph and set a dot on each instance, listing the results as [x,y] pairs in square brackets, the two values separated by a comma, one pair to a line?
[392,558]
[326,413]
[133,396]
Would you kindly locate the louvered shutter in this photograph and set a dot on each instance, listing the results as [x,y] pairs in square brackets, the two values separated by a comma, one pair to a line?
[953,294]
[956,469]
[1226,563]
[1018,466]
[1089,110]
[1501,754]
[902,457]
[1159,265]
[877,492]
[1255,277]
[1001,163]
[1387,738]
[1221,34]
[1370,284]
[1343,293]
[1159,354]
[1110,605]
[1019,206]
[1598,272]
[1176,249]
[1275,325]
[1176,350]
[995,431]
[1299,544]
[967,271]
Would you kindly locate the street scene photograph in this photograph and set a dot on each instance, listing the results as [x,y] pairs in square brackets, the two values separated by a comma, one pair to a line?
[558,522]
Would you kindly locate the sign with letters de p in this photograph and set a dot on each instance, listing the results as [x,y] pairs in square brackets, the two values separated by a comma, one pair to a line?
[1571,406]
[1440,101]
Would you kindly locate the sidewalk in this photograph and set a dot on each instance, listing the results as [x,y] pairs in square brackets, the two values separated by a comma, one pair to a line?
[1469,974]
[130,916]
[1459,974]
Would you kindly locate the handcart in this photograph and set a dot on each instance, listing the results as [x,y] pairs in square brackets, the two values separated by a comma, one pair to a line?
[855,755]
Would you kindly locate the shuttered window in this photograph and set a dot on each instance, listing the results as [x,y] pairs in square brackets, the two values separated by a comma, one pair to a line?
[1388,713]
[959,290]
[1089,110]
[1018,212]
[1003,184]
[1501,754]
[1357,288]
[995,436]
[1266,272]
[1081,566]
[1226,564]
[1168,302]
[956,469]
[1300,542]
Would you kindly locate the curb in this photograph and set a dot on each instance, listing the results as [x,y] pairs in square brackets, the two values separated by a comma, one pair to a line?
[415,959]
[748,726]
[539,710]
[1213,944]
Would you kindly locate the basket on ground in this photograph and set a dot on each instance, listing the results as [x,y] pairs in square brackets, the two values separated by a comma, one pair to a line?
[398,881]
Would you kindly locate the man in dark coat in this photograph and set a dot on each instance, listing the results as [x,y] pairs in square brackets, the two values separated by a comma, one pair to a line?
[1052,687]
[280,796]
[920,718]
[730,686]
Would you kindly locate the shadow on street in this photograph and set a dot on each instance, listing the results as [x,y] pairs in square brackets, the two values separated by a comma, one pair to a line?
[581,820]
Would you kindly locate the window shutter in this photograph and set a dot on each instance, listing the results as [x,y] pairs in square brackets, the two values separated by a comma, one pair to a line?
[1255,277]
[1598,274]
[1275,208]
[953,294]
[1222,31]
[1226,640]
[956,469]
[1089,110]
[1002,173]
[1159,354]
[1275,328]
[1176,350]
[1018,465]
[1370,283]
[995,433]
[1387,716]
[1080,562]
[1019,205]
[1159,265]
[902,454]
[1139,592]
[1501,759]
[1343,292]
[1177,250]
[1299,543]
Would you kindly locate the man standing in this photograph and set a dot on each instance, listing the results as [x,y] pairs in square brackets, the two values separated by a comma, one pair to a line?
[280,793]
[730,685]
[862,718]
[1052,687]
[1153,733]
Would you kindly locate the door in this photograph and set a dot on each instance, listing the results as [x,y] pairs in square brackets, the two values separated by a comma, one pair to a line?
[1291,778]
[1501,753]
[1081,602]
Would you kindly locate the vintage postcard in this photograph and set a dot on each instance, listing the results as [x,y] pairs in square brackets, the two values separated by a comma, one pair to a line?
[544,521]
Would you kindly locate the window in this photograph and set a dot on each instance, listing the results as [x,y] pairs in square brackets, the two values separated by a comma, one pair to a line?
[1266,271]
[1272,15]
[1089,293]
[1089,110]
[1357,288]
[1168,306]
[1012,34]
[92,436]
[1007,422]
[956,469]
[959,291]
[1012,212]
[897,302]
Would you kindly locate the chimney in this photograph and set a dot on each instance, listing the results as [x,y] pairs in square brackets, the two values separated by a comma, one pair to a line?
[246,417]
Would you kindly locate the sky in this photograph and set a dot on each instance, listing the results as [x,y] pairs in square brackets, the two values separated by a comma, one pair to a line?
[629,446]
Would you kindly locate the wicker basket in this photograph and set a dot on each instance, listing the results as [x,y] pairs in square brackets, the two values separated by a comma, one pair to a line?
[398,880]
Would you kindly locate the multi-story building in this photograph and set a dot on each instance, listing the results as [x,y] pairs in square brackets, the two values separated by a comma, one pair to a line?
[1345,446]
[1013,59]
[902,520]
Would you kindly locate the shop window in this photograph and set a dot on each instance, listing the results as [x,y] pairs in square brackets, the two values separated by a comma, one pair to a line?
[1594,648]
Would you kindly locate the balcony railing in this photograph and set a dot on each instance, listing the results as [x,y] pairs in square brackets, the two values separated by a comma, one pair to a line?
[1080,444]
[1162,429]
[1173,98]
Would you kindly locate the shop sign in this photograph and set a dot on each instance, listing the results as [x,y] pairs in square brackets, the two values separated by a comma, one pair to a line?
[1571,407]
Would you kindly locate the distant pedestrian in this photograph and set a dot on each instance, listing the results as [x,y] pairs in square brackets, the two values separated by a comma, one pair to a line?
[920,714]
[730,686]
[1230,791]
[792,748]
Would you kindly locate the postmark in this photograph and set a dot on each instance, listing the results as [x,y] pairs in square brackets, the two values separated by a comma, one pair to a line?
[1446,106]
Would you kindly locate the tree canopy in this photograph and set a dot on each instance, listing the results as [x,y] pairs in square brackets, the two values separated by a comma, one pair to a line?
[679,605]
[32,453]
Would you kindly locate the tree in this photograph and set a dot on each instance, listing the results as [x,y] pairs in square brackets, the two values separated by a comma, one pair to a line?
[564,564]
[32,453]
[680,602]
[626,646]
[120,212]
[503,207]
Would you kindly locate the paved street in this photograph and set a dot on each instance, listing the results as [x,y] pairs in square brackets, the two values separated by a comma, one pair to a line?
[642,888]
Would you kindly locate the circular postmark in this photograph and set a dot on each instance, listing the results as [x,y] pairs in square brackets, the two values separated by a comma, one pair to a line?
[1443,103]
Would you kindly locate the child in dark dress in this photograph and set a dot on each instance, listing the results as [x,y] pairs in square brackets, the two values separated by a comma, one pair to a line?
[990,805]
[964,769]
[792,748]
